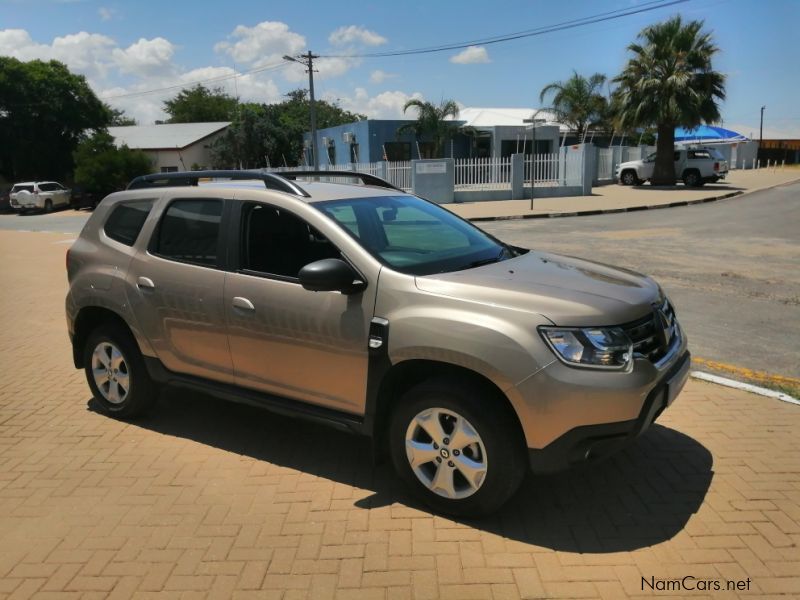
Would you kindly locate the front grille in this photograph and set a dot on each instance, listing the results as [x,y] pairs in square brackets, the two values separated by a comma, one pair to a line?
[653,335]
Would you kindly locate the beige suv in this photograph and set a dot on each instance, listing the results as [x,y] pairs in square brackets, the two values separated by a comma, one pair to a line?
[465,359]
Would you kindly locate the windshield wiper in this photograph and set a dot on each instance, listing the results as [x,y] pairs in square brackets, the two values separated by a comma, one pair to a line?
[488,261]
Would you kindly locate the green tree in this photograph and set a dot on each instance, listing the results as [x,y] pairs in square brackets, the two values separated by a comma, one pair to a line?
[578,101]
[103,168]
[44,112]
[668,82]
[119,118]
[272,134]
[200,105]
[432,122]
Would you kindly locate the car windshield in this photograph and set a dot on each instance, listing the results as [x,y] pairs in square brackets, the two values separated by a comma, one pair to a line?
[414,236]
[651,157]
[22,188]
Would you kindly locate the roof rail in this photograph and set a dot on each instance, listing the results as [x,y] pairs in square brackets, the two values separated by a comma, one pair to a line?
[271,181]
[365,178]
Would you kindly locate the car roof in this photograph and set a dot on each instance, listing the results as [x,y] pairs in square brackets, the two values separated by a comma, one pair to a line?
[318,191]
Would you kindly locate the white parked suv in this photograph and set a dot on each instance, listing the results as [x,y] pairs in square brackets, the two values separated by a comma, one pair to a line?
[695,166]
[41,195]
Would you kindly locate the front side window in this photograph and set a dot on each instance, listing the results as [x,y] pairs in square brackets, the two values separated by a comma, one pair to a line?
[189,232]
[414,236]
[126,220]
[277,243]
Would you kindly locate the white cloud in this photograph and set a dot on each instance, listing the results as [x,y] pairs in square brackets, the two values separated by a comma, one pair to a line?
[471,55]
[146,57]
[355,35]
[324,68]
[264,44]
[148,108]
[86,53]
[379,76]
[106,14]
[386,105]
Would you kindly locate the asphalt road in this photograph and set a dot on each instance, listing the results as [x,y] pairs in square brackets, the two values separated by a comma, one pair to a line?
[732,268]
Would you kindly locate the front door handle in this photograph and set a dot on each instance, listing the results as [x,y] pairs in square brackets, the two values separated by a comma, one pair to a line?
[145,283]
[242,303]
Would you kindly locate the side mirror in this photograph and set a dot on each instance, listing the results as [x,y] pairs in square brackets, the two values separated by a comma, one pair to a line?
[330,275]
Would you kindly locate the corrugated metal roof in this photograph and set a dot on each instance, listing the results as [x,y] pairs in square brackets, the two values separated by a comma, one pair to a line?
[496,117]
[170,135]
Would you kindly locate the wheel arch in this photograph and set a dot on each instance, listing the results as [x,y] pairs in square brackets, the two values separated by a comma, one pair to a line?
[402,376]
[88,318]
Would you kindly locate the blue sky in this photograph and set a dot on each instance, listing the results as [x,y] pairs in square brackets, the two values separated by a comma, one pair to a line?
[126,47]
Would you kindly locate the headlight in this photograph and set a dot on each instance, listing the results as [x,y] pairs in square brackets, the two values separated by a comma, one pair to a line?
[590,347]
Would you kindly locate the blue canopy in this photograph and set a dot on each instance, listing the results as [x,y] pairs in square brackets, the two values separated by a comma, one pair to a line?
[707,133]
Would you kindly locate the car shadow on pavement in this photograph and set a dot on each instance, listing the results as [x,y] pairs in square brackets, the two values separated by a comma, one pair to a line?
[642,496]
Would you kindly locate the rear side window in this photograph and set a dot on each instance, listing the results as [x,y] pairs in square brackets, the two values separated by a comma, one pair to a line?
[126,220]
[189,232]
[47,187]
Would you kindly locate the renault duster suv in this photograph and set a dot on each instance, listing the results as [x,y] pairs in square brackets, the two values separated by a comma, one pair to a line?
[464,358]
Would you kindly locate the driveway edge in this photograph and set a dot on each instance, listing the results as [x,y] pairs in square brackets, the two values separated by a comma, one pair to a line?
[587,213]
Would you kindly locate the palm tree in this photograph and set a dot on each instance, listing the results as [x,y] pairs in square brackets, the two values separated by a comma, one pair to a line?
[431,122]
[577,102]
[668,82]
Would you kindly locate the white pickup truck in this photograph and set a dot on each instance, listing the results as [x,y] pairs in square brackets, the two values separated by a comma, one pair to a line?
[695,166]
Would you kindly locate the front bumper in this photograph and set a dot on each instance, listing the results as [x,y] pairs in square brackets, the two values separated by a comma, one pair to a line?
[593,442]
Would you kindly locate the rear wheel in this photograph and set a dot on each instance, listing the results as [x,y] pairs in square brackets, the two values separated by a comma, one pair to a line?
[460,456]
[116,372]
[692,179]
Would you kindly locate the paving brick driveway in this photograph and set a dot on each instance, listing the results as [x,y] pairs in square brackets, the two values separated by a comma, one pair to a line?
[215,500]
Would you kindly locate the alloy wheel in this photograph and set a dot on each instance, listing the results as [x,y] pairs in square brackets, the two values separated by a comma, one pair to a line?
[110,371]
[446,453]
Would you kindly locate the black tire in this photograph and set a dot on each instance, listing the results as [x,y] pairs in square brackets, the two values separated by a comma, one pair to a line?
[48,205]
[505,456]
[629,178]
[142,391]
[692,179]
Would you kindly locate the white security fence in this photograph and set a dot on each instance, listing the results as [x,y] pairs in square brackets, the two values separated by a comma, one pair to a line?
[497,176]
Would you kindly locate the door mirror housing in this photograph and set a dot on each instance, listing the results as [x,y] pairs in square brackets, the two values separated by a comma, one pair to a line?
[331,275]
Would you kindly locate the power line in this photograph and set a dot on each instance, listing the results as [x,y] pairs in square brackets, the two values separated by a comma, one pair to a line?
[598,18]
[273,67]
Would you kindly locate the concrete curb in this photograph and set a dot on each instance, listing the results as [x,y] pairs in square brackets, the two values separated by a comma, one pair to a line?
[747,387]
[587,213]
[608,211]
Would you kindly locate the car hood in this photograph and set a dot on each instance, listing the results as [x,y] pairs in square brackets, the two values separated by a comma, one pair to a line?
[630,163]
[566,290]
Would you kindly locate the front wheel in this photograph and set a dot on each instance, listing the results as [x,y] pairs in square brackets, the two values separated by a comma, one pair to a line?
[116,372]
[456,447]
[629,178]
[48,205]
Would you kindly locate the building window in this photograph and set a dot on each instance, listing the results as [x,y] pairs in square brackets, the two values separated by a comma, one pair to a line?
[169,169]
[397,151]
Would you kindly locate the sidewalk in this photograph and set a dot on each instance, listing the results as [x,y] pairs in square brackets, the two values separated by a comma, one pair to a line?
[617,198]
[206,499]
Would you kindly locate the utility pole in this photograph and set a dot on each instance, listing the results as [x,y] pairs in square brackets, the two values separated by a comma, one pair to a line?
[307,60]
[761,128]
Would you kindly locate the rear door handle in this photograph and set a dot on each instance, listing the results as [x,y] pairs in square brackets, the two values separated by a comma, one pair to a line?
[145,283]
[242,303]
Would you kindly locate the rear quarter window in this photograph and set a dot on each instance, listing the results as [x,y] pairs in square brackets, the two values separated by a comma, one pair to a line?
[126,221]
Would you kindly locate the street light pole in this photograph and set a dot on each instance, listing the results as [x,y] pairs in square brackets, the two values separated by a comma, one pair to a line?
[761,128]
[307,60]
